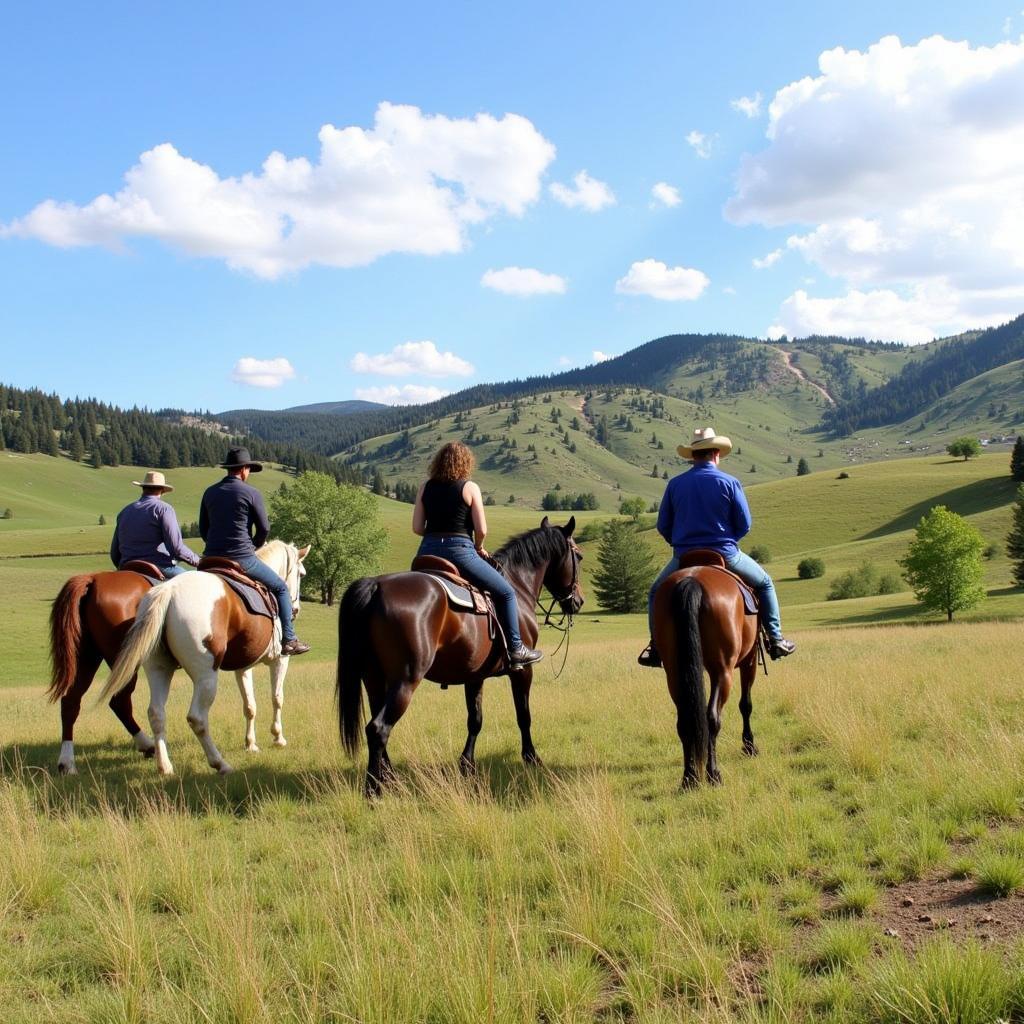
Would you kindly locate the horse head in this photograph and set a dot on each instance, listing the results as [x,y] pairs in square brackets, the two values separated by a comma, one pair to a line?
[562,578]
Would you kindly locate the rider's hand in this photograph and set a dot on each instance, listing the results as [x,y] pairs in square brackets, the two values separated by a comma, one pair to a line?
[482,552]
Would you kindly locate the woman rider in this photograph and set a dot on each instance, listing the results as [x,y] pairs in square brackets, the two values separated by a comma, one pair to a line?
[449,516]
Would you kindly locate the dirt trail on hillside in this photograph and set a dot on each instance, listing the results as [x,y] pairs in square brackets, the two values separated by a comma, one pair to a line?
[797,372]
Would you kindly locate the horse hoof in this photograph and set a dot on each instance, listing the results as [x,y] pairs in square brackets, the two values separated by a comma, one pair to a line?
[532,761]
[148,754]
[251,748]
[467,769]
[280,741]
[167,771]
[690,782]
[715,778]
[67,769]
[224,768]
[750,749]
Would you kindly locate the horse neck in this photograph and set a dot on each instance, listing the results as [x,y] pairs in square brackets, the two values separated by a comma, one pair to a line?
[526,580]
[275,557]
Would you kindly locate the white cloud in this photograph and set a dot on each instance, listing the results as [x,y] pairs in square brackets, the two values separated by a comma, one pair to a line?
[654,278]
[701,143]
[589,193]
[750,106]
[728,290]
[565,361]
[905,164]
[666,195]
[407,394]
[768,260]
[524,281]
[412,183]
[600,357]
[412,357]
[262,373]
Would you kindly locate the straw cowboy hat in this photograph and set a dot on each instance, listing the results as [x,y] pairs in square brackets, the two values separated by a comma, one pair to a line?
[153,479]
[702,441]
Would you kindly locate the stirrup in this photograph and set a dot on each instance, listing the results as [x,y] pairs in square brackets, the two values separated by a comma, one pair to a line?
[649,657]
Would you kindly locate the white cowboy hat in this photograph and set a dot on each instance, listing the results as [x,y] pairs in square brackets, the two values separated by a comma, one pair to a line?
[153,479]
[703,440]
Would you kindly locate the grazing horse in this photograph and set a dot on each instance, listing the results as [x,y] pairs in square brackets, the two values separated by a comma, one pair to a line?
[399,629]
[198,622]
[88,622]
[700,623]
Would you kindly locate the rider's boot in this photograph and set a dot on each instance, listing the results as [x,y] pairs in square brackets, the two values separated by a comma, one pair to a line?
[521,656]
[293,647]
[780,647]
[649,657]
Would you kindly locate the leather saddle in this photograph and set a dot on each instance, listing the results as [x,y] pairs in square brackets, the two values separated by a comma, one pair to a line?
[461,593]
[254,595]
[143,568]
[714,560]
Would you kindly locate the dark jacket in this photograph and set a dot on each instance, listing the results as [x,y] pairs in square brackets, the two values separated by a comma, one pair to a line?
[233,519]
[148,529]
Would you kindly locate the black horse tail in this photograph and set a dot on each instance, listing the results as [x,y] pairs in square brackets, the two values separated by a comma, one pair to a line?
[692,702]
[353,638]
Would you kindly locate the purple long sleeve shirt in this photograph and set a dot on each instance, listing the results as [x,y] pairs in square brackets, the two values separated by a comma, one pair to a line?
[148,529]
[704,508]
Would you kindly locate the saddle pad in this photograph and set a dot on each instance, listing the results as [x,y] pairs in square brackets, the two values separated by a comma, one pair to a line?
[749,597]
[462,597]
[254,596]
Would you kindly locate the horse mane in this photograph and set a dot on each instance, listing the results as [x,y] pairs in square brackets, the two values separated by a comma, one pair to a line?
[265,553]
[534,548]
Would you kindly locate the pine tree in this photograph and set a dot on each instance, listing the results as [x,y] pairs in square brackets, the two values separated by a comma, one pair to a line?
[625,569]
[802,469]
[1017,460]
[1015,538]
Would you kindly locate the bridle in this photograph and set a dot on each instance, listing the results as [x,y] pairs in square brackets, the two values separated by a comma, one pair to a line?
[564,601]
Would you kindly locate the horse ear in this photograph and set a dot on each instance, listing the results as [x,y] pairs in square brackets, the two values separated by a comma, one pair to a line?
[304,551]
[545,523]
[569,526]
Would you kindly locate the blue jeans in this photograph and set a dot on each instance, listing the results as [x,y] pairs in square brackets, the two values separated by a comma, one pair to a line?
[461,552]
[258,570]
[173,570]
[750,572]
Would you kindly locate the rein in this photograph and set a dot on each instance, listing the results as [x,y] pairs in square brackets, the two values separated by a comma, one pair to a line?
[567,617]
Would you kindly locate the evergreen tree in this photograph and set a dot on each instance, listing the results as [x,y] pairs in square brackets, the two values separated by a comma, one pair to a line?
[943,563]
[802,469]
[1017,460]
[1015,538]
[76,450]
[625,569]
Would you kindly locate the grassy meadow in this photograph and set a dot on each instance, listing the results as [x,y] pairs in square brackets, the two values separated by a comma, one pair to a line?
[588,890]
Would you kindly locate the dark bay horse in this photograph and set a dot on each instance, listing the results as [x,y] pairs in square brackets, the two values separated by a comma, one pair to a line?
[396,630]
[700,623]
[88,622]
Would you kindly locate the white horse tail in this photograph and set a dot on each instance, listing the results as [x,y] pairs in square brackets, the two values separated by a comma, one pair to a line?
[141,641]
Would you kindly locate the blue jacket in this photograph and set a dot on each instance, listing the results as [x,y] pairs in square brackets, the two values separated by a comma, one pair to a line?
[233,519]
[704,508]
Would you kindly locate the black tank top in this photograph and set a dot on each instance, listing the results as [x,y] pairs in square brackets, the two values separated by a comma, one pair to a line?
[445,510]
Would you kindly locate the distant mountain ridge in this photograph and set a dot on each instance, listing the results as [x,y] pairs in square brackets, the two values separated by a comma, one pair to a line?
[342,408]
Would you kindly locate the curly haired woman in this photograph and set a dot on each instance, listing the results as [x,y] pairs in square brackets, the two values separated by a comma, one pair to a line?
[449,516]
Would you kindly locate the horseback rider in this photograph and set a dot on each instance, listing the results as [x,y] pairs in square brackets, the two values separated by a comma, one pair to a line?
[147,530]
[706,508]
[233,523]
[449,516]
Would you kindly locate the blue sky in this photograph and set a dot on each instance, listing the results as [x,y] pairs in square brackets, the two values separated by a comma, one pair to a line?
[887,201]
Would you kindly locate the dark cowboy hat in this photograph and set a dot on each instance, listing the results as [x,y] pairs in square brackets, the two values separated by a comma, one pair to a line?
[239,457]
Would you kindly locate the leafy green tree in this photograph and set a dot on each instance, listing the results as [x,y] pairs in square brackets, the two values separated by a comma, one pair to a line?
[8,514]
[943,563]
[1015,538]
[802,469]
[633,507]
[1017,460]
[340,522]
[965,447]
[625,569]
[811,568]
[760,554]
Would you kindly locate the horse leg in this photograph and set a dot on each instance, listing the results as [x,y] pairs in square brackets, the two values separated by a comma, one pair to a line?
[474,723]
[278,670]
[71,703]
[159,673]
[721,680]
[245,687]
[204,690]
[748,670]
[521,683]
[378,729]
[121,705]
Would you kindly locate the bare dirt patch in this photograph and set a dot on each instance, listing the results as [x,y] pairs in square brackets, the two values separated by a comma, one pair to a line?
[916,911]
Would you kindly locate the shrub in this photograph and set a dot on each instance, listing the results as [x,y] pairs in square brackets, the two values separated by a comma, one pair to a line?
[760,554]
[843,476]
[810,569]
[8,514]
[102,521]
[802,469]
[864,581]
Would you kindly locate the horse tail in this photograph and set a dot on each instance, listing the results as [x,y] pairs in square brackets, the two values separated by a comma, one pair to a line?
[141,641]
[692,702]
[66,634]
[353,636]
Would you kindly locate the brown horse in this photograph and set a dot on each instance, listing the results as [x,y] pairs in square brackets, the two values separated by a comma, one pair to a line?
[397,630]
[700,623]
[88,622]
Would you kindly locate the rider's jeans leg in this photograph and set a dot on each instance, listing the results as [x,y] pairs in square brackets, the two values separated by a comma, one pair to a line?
[670,567]
[462,553]
[172,570]
[261,571]
[748,570]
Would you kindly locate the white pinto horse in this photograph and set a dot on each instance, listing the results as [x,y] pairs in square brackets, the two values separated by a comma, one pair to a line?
[196,620]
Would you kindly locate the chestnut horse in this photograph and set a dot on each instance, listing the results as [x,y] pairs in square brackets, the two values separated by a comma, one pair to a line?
[396,630]
[700,623]
[196,621]
[88,622]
